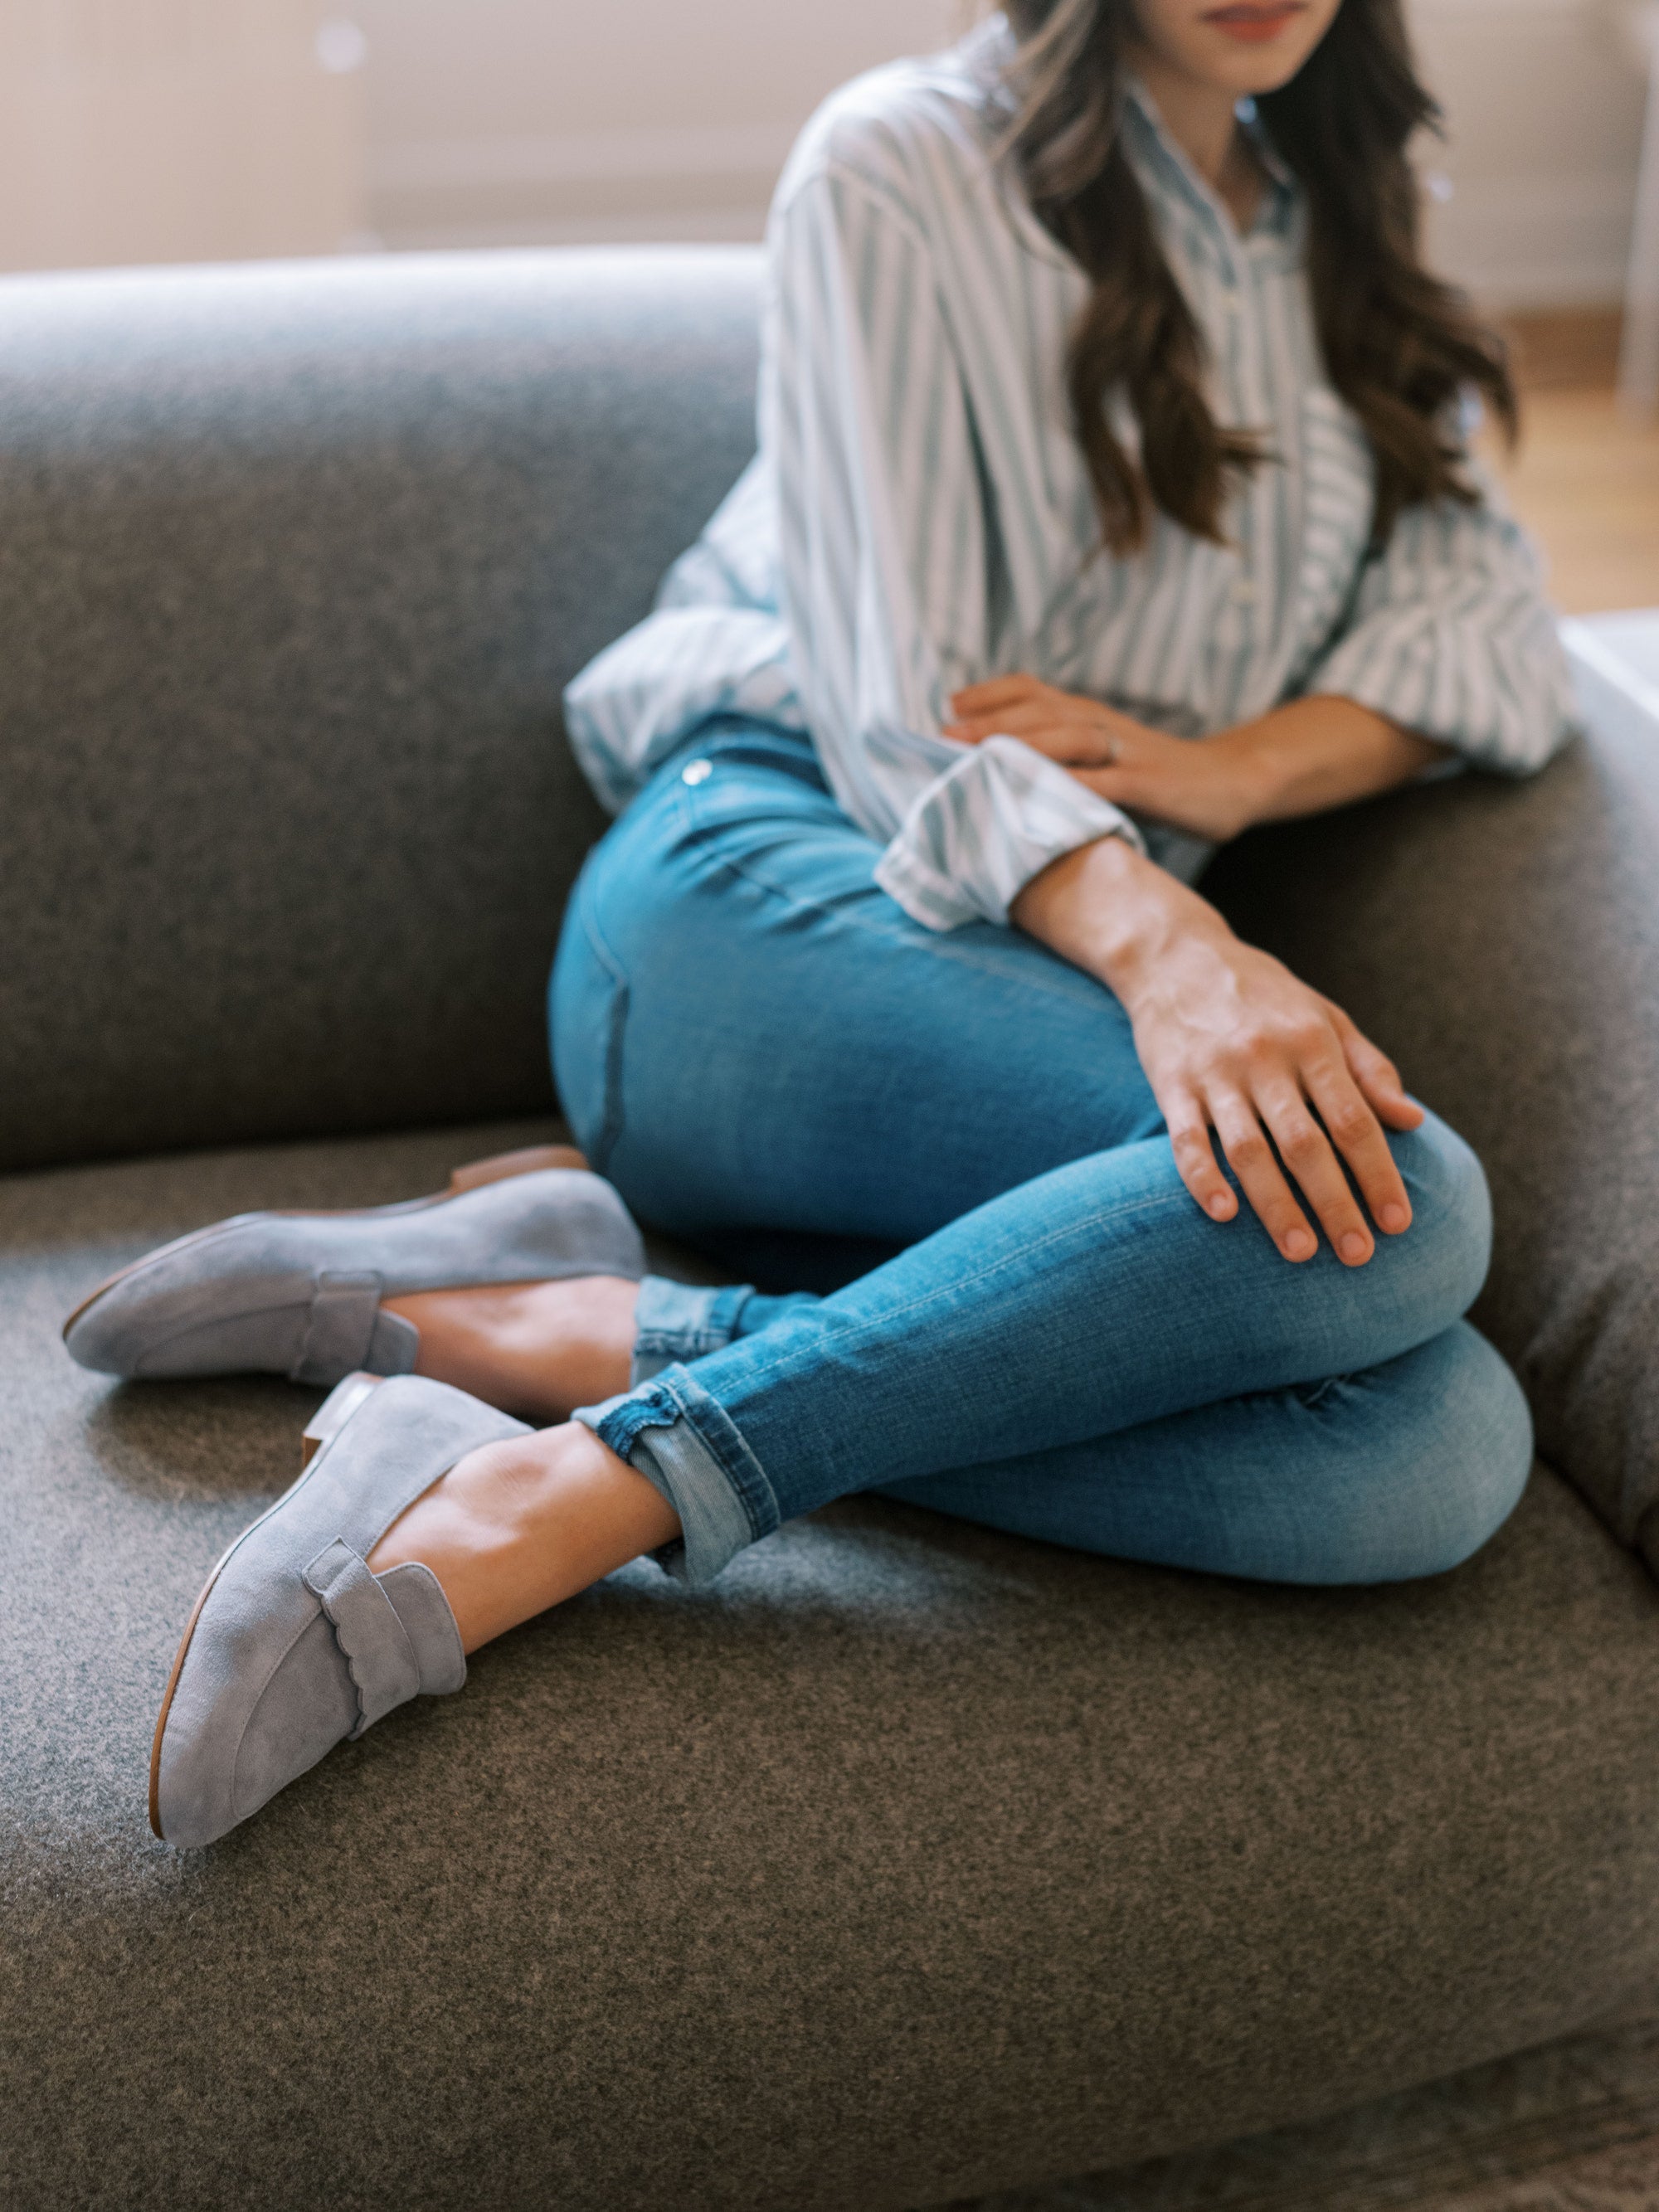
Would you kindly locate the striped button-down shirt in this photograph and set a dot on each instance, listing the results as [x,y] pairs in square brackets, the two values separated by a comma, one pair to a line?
[919,518]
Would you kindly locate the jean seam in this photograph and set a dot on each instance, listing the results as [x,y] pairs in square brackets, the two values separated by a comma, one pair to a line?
[684,1343]
[989,1274]
[610,1115]
[1021,1260]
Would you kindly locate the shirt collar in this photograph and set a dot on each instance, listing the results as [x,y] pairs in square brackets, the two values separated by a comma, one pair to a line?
[1278,168]
[1168,167]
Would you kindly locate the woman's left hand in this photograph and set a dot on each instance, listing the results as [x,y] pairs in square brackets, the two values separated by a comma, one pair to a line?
[1200,785]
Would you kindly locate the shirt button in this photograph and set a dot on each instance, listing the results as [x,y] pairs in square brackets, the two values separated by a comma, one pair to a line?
[697,771]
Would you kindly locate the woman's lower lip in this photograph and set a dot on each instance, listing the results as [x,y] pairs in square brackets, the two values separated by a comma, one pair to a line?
[1253,27]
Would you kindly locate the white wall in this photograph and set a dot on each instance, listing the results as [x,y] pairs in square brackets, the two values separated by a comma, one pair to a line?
[1544,99]
[173,130]
[501,120]
[495,120]
[181,130]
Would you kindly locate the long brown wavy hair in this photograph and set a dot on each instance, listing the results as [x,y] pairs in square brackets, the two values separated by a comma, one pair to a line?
[1401,347]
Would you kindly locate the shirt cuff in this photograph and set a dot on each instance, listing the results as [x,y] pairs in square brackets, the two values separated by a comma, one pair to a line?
[974,839]
[1507,712]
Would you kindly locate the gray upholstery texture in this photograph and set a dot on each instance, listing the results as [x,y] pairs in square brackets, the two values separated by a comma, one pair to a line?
[906,1860]
[1502,942]
[295,562]
[910,1860]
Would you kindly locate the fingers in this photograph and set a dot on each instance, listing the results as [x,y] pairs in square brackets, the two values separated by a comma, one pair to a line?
[1276,1145]
[1357,1134]
[1377,1075]
[1298,1099]
[1067,727]
[1251,1159]
[1380,1085]
[1060,728]
[998,691]
[1028,718]
[1189,1140]
[1306,1150]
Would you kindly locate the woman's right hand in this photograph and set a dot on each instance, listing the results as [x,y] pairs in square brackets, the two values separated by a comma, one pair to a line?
[1232,1041]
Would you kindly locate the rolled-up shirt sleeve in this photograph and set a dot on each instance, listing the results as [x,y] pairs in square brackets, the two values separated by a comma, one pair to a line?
[887,588]
[1451,636]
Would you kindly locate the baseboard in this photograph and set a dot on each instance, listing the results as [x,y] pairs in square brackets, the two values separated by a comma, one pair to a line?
[738,225]
[580,187]
[1559,240]
[1520,241]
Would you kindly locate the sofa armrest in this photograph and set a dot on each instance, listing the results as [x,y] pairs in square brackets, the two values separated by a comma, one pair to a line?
[1502,942]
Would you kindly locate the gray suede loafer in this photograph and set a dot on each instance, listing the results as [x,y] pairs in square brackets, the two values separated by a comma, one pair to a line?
[301,1294]
[295,1646]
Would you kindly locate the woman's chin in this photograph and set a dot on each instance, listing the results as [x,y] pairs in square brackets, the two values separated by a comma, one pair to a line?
[1246,70]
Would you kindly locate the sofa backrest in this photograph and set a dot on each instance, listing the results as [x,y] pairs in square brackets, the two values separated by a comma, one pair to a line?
[1501,940]
[295,563]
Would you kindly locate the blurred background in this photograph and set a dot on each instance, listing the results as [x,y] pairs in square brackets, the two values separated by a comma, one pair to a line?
[147,130]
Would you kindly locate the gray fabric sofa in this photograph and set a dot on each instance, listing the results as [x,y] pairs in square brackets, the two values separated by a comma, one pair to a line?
[909,1860]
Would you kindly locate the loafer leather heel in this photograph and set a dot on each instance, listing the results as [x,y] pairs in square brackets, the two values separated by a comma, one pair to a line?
[302,1294]
[501,1167]
[295,1644]
[336,1410]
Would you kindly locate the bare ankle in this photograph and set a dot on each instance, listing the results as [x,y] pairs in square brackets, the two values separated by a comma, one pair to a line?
[517,1527]
[537,1350]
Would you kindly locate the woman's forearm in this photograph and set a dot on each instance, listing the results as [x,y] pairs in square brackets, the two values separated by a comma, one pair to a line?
[1320,753]
[1297,759]
[1232,1043]
[1109,910]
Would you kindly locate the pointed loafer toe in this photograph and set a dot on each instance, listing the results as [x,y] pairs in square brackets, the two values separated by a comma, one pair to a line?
[302,1294]
[295,1644]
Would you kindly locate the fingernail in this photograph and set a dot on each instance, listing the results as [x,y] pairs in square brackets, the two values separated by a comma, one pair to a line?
[1220,1207]
[1353,1246]
[1298,1245]
[1394,1217]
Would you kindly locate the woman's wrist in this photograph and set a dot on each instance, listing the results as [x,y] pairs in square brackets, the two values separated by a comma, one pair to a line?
[1317,753]
[1252,769]
[1109,910]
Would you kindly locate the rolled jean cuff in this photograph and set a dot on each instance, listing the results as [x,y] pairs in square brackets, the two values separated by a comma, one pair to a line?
[677,1321]
[687,1447]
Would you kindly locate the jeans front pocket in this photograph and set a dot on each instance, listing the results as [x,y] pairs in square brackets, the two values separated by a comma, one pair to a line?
[589,1012]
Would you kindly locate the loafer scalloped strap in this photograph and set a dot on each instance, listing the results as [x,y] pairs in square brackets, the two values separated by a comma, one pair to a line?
[341,1325]
[377,1650]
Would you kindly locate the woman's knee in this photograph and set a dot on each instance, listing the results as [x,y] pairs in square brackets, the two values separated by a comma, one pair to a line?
[1445,1467]
[1448,1248]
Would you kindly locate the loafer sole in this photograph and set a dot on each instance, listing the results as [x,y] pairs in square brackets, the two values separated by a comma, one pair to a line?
[501,1167]
[326,1423]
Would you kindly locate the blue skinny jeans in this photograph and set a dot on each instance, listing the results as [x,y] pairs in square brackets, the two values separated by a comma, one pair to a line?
[1015,1311]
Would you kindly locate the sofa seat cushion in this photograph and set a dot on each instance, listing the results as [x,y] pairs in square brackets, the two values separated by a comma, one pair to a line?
[908,1861]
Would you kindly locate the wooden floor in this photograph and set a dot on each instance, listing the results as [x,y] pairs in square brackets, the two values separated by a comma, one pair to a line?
[1586,479]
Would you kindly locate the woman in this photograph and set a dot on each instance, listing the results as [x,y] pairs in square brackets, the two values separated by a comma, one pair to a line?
[1111,497]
